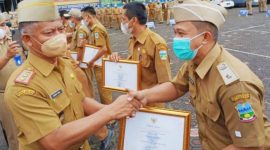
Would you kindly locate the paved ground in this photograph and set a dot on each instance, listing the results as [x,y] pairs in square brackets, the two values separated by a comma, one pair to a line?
[245,37]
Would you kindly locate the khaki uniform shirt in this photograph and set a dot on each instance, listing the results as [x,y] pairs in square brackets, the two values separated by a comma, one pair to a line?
[152,51]
[227,113]
[43,102]
[81,33]
[68,29]
[10,67]
[100,37]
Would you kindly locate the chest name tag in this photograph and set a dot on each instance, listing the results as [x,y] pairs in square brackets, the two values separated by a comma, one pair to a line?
[55,94]
[227,74]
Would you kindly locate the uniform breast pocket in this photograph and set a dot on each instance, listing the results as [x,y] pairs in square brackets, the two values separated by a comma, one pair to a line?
[59,101]
[212,111]
[145,60]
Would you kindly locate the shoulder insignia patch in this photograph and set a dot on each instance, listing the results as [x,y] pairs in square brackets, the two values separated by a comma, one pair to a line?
[25,76]
[227,74]
[96,35]
[25,92]
[163,54]
[240,96]
[245,112]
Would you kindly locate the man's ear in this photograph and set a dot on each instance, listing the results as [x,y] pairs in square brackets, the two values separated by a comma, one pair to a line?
[26,40]
[208,36]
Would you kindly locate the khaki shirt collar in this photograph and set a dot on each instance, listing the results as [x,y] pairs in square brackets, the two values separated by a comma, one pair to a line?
[142,37]
[41,65]
[208,61]
[93,27]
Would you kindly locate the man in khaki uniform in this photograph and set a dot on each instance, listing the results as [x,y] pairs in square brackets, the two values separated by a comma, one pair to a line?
[249,7]
[147,47]
[158,12]
[8,50]
[99,38]
[69,26]
[108,16]
[44,95]
[81,34]
[102,16]
[152,15]
[226,94]
[80,38]
[170,12]
[262,5]
[115,17]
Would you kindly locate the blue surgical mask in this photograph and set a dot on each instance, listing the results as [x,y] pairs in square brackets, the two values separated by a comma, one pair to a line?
[182,49]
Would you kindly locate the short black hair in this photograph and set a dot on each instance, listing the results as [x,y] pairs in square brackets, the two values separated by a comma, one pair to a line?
[206,26]
[62,12]
[138,10]
[90,10]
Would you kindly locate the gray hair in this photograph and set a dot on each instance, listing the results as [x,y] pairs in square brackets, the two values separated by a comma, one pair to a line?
[27,27]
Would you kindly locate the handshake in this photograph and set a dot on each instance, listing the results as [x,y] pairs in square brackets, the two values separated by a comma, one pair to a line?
[127,105]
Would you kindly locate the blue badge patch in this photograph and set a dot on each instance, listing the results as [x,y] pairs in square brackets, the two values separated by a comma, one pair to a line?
[55,94]
[163,54]
[245,112]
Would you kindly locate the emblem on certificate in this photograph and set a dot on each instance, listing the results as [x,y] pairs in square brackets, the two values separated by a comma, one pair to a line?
[156,129]
[89,53]
[121,75]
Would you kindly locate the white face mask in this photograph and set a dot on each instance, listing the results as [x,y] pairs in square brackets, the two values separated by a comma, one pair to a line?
[2,33]
[54,47]
[84,23]
[71,24]
[125,29]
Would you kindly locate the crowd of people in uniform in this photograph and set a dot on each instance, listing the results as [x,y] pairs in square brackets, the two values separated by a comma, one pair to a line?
[48,102]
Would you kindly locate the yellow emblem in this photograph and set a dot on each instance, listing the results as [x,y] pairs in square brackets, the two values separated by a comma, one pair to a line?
[153,120]
[241,96]
[25,92]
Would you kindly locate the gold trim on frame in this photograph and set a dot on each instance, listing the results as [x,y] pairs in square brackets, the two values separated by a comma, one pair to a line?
[122,61]
[76,2]
[178,113]
[87,45]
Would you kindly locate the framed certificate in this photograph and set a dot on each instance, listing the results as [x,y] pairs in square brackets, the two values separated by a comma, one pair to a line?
[121,75]
[89,53]
[156,129]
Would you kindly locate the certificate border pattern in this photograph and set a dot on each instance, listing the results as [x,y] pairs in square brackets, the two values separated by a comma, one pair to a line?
[121,61]
[177,113]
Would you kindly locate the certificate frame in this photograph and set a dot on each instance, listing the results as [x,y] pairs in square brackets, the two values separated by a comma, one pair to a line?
[58,3]
[74,55]
[119,89]
[164,112]
[96,49]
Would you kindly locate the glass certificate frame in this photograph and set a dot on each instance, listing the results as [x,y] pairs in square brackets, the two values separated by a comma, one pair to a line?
[156,129]
[74,55]
[121,75]
[89,53]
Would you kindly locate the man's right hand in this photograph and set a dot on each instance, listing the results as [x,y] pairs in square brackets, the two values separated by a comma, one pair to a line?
[124,106]
[138,95]
[114,57]
[13,49]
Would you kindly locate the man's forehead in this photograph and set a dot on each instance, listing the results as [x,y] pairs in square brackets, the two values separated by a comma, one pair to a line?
[49,24]
[184,25]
